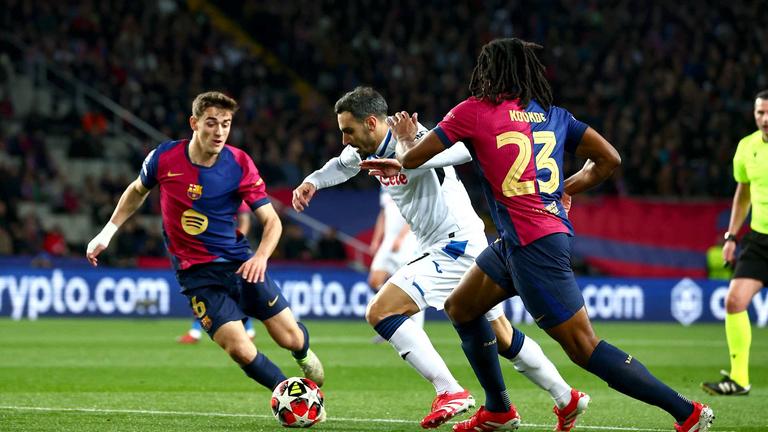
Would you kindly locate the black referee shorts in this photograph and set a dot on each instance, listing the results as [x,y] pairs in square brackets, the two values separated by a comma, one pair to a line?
[753,259]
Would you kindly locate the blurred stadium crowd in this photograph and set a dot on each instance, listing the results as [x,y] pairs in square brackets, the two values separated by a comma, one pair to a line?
[670,84]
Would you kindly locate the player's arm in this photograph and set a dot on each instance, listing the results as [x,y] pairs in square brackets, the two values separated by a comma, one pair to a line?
[602,160]
[401,237]
[255,268]
[336,171]
[131,199]
[378,232]
[739,210]
[412,153]
[244,219]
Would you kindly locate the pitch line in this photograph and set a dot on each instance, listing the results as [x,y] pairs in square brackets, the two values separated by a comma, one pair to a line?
[333,419]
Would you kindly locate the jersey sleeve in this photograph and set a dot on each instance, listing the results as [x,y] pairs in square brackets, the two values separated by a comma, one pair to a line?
[739,165]
[573,133]
[148,174]
[252,189]
[244,208]
[459,124]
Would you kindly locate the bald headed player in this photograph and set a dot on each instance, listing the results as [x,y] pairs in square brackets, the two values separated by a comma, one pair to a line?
[202,182]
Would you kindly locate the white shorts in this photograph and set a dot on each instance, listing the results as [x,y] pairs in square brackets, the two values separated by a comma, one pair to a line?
[389,261]
[431,277]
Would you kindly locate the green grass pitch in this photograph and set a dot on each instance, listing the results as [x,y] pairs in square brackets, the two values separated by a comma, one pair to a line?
[130,375]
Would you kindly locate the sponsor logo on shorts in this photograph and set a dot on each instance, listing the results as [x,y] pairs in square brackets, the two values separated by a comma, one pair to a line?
[273,301]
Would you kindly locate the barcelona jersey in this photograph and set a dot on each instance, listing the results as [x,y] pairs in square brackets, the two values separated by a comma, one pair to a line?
[199,204]
[518,153]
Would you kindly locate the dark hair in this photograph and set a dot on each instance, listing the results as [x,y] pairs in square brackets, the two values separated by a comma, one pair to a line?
[509,69]
[763,94]
[216,99]
[362,102]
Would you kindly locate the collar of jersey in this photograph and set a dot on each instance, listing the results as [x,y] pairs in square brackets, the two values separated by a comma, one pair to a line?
[384,144]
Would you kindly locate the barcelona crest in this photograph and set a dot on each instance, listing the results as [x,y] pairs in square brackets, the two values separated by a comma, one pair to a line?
[195,191]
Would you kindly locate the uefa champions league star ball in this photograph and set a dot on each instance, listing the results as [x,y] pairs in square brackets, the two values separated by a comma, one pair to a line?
[298,402]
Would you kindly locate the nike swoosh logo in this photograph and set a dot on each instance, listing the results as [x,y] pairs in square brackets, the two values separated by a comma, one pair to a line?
[171,174]
[539,318]
[273,301]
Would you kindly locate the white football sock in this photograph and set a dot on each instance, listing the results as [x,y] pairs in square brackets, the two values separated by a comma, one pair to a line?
[413,345]
[532,363]
[195,333]
[418,318]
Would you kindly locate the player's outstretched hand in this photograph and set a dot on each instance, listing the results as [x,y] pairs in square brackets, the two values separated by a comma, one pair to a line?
[302,195]
[95,247]
[381,167]
[403,125]
[99,243]
[254,269]
[566,200]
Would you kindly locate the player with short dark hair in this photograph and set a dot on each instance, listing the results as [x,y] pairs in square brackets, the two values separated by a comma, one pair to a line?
[750,169]
[450,235]
[202,183]
[517,139]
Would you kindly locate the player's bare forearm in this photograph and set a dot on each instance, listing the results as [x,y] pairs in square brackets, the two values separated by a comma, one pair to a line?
[602,160]
[740,207]
[422,151]
[133,197]
[589,176]
[273,228]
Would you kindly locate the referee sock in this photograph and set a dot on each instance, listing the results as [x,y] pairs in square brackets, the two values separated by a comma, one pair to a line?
[264,372]
[627,375]
[738,332]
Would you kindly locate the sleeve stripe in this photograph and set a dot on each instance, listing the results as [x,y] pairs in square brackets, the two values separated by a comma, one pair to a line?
[443,137]
[259,203]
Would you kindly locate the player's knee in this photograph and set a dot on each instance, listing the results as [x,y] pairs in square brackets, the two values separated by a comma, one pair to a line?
[240,352]
[376,312]
[735,302]
[376,279]
[455,313]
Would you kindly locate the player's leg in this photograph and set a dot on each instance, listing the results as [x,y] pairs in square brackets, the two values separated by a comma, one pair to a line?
[388,314]
[552,296]
[249,328]
[738,332]
[264,301]
[473,297]
[221,317]
[528,359]
[192,336]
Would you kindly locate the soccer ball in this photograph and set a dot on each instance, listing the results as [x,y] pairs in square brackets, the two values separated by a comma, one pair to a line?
[298,402]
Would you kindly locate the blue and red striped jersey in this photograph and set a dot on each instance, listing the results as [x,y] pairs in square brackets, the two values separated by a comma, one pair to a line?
[518,154]
[199,204]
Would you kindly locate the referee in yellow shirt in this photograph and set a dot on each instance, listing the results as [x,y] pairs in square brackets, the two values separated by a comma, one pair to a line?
[750,169]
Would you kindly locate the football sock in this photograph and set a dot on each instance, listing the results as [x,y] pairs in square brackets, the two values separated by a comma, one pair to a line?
[300,354]
[196,330]
[248,325]
[528,359]
[480,346]
[418,318]
[414,347]
[264,372]
[627,375]
[738,332]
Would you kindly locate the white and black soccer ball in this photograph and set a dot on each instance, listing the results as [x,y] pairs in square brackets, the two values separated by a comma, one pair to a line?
[298,402]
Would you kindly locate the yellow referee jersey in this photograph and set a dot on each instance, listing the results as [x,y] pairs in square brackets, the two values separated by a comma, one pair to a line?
[750,165]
